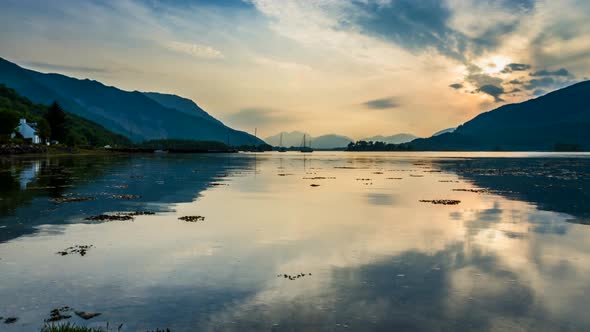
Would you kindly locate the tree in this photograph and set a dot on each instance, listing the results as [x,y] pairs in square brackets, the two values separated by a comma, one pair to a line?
[43,129]
[8,122]
[56,117]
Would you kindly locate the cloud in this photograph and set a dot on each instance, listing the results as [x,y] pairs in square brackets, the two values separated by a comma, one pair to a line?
[67,68]
[559,72]
[383,103]
[456,29]
[195,50]
[479,79]
[415,25]
[257,117]
[456,86]
[515,67]
[539,83]
[492,90]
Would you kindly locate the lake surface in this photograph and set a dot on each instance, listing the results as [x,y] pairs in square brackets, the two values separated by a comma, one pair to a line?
[513,254]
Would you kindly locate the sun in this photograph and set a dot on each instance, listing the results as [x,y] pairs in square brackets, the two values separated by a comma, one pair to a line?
[494,64]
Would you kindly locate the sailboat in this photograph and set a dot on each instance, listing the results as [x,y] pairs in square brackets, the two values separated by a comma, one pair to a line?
[281,147]
[304,148]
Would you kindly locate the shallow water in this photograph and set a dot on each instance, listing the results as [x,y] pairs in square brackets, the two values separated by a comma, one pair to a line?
[514,254]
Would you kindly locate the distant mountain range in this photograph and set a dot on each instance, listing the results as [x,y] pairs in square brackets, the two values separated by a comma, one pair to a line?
[393,139]
[332,141]
[137,115]
[295,138]
[559,120]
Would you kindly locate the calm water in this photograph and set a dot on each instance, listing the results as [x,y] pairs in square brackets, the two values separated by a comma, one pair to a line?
[514,254]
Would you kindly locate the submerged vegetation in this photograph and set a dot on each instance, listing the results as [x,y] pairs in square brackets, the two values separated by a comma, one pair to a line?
[77,249]
[441,201]
[69,327]
[192,218]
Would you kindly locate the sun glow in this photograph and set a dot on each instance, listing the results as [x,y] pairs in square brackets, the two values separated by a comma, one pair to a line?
[494,64]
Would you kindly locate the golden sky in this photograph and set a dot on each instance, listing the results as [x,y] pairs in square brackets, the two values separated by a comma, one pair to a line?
[352,67]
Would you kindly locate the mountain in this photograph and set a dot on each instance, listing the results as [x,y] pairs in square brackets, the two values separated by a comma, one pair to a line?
[178,103]
[393,139]
[330,141]
[137,115]
[295,138]
[559,120]
[82,131]
[444,131]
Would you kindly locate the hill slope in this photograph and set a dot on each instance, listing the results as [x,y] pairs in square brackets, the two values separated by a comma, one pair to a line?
[132,114]
[184,105]
[560,118]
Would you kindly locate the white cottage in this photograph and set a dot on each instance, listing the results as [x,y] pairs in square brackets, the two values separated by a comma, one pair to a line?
[28,131]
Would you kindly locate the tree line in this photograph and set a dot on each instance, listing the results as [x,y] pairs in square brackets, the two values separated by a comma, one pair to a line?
[377,146]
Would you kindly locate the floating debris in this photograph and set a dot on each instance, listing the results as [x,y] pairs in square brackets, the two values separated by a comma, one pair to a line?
[293,277]
[314,185]
[218,184]
[127,197]
[393,178]
[86,315]
[284,174]
[362,179]
[77,249]
[72,199]
[377,172]
[122,186]
[477,191]
[192,218]
[441,201]
[448,181]
[10,320]
[416,175]
[58,314]
[321,178]
[110,217]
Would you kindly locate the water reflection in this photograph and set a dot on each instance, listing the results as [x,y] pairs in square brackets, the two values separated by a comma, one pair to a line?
[152,182]
[503,259]
[554,184]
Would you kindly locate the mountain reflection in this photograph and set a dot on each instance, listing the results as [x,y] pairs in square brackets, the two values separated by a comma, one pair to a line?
[153,182]
[553,184]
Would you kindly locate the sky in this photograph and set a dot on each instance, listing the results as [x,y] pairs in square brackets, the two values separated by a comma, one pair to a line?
[353,67]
